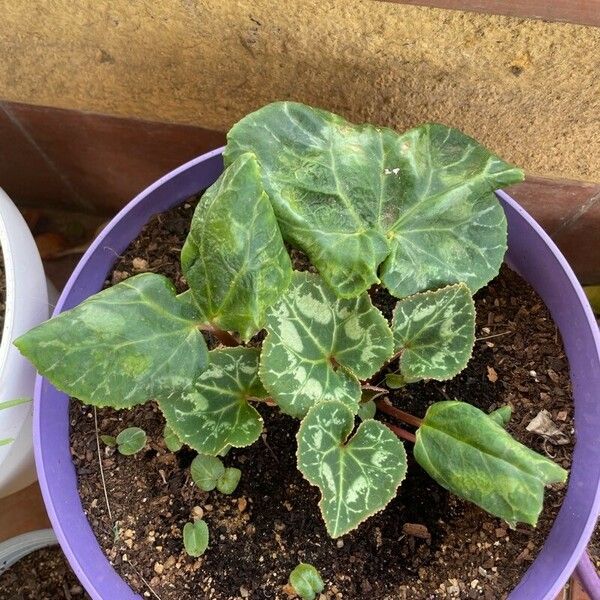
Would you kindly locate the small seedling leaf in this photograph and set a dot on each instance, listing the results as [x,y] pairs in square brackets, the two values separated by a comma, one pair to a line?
[471,455]
[367,410]
[229,480]
[318,346]
[195,538]
[131,441]
[206,471]
[234,258]
[306,581]
[172,442]
[417,209]
[216,413]
[501,415]
[357,476]
[109,440]
[130,343]
[435,331]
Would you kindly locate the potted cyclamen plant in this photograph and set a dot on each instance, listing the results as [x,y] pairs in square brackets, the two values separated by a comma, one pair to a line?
[410,217]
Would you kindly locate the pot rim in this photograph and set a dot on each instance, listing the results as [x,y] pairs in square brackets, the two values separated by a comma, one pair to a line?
[70,528]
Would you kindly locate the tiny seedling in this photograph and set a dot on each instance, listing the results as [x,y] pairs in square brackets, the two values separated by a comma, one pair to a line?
[228,482]
[414,213]
[195,538]
[131,441]
[109,440]
[172,442]
[306,581]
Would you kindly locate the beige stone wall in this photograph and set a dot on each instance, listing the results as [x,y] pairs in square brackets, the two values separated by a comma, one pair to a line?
[528,89]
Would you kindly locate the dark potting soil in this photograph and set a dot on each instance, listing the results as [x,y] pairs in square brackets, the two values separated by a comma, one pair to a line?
[41,575]
[426,544]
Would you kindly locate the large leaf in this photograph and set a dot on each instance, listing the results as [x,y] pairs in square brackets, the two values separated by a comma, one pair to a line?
[216,413]
[234,259]
[132,342]
[435,331]
[356,196]
[470,454]
[358,476]
[318,345]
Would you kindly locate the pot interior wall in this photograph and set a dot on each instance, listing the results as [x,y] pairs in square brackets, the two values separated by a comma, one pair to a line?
[531,253]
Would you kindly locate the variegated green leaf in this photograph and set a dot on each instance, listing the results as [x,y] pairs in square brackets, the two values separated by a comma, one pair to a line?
[470,454]
[357,476]
[318,345]
[435,331]
[234,259]
[364,202]
[123,346]
[216,413]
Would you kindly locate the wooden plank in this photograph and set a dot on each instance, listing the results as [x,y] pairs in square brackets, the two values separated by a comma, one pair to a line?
[22,512]
[581,12]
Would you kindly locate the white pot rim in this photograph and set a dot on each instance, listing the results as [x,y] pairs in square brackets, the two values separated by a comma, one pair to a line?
[26,306]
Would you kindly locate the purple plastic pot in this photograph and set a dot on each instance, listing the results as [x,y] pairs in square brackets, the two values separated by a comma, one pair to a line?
[531,253]
[586,573]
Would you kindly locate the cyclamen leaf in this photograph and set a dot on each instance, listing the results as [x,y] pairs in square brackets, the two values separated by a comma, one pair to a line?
[435,331]
[172,442]
[131,441]
[318,345]
[228,482]
[206,471]
[470,454]
[417,209]
[109,440]
[195,538]
[216,413]
[123,346]
[367,410]
[501,415]
[306,581]
[357,476]
[234,259]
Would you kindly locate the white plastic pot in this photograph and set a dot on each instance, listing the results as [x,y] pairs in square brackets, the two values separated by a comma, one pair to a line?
[27,296]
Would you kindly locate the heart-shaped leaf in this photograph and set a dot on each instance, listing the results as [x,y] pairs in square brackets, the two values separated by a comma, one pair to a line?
[234,259]
[131,441]
[206,471]
[229,480]
[435,331]
[172,442]
[216,413]
[318,345]
[358,476]
[195,538]
[356,196]
[123,346]
[470,454]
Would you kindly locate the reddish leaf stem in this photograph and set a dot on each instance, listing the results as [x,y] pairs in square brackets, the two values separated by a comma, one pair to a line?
[386,407]
[402,433]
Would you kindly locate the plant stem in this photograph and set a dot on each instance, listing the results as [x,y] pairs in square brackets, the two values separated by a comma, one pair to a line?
[402,433]
[386,407]
[226,338]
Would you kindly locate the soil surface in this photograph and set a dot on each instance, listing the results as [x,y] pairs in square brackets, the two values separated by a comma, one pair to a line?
[41,575]
[426,544]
